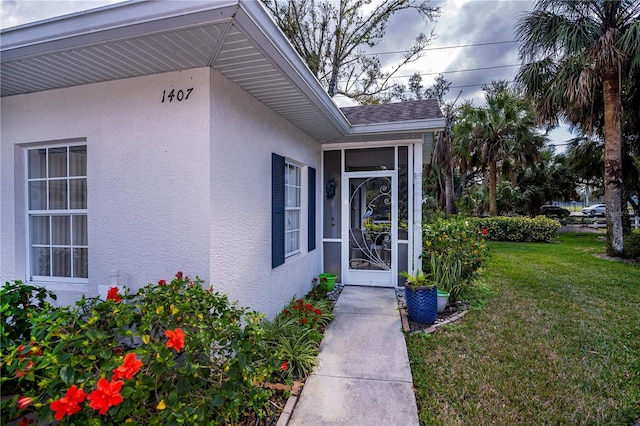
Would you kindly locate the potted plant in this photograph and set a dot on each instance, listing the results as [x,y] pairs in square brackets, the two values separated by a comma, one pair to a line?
[327,281]
[421,295]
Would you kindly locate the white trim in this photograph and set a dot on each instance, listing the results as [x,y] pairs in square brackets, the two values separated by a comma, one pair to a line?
[371,278]
[29,213]
[341,146]
[417,208]
[414,126]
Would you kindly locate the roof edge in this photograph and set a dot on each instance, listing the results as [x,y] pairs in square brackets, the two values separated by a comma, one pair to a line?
[127,19]
[430,125]
[275,44]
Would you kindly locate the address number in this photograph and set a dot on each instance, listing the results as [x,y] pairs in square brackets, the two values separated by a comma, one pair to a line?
[180,95]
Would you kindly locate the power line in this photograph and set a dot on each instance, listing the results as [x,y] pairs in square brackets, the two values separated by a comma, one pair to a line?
[443,47]
[465,70]
[452,71]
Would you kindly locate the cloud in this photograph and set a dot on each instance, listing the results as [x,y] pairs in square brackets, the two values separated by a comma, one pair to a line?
[18,12]
[461,22]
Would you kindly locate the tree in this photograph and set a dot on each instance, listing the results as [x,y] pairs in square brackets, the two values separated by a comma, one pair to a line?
[329,36]
[577,56]
[501,132]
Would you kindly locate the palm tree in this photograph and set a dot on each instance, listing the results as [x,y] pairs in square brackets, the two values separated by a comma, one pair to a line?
[499,132]
[577,55]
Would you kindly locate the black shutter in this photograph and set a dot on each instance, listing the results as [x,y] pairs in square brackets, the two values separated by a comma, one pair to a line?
[312,209]
[277,210]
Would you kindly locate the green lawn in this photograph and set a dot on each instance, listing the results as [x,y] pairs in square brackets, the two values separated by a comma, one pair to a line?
[557,343]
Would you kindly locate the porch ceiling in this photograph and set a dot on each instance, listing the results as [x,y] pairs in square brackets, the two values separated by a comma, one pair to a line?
[236,38]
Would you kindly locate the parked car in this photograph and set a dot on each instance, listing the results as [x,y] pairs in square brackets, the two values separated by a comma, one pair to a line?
[554,212]
[595,209]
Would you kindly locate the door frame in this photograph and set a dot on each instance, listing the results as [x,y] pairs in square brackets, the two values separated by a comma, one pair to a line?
[386,278]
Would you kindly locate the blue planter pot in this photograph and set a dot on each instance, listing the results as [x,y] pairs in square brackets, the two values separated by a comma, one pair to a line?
[422,304]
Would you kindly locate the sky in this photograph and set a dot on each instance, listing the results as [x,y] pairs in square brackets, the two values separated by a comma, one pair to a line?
[462,22]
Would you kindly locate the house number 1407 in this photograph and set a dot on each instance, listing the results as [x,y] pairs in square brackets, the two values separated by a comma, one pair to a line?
[180,95]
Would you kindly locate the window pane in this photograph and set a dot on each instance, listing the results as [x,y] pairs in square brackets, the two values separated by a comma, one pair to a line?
[78,161]
[38,195]
[61,227]
[78,193]
[37,163]
[57,194]
[58,162]
[80,263]
[40,261]
[80,230]
[40,230]
[61,262]
[369,159]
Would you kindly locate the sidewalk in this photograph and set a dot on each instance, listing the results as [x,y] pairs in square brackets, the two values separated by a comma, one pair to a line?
[363,376]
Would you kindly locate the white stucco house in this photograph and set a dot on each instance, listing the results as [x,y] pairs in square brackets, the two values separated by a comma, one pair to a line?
[144,138]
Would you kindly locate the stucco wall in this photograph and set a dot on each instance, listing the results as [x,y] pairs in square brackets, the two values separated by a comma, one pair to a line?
[244,134]
[167,191]
[148,176]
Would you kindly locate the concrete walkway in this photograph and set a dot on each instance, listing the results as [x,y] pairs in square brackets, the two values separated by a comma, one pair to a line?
[363,376]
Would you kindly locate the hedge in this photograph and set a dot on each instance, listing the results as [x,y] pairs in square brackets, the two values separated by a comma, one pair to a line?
[517,228]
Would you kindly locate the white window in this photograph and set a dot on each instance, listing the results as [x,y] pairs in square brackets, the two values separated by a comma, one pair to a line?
[293,208]
[57,210]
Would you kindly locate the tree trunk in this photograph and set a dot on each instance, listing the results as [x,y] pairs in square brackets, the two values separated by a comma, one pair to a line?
[613,185]
[493,203]
[448,175]
[448,190]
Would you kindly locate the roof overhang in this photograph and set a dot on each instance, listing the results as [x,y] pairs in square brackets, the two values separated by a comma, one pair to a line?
[235,37]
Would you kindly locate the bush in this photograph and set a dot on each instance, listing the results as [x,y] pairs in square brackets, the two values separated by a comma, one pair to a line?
[501,228]
[457,238]
[632,244]
[19,303]
[173,353]
[295,334]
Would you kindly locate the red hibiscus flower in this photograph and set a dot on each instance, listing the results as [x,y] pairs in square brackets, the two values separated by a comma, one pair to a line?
[23,373]
[112,294]
[484,231]
[128,369]
[69,404]
[32,350]
[24,401]
[106,395]
[162,282]
[176,339]
[284,366]
[179,275]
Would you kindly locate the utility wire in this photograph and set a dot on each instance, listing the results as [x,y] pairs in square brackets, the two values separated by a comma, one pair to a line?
[453,71]
[442,47]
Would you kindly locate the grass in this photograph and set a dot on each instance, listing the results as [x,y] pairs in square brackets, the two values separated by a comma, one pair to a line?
[558,342]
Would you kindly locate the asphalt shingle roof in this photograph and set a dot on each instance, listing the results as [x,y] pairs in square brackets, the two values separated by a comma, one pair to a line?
[394,112]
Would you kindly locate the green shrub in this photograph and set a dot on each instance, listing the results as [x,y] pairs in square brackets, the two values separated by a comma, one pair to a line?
[294,335]
[502,228]
[19,302]
[632,244]
[446,271]
[174,353]
[458,238]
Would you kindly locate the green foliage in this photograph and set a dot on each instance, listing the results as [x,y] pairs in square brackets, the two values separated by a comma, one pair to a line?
[632,244]
[457,238]
[294,336]
[538,229]
[19,302]
[199,357]
[419,279]
[446,271]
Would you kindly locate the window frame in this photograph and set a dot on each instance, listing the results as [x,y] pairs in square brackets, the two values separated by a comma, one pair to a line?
[71,213]
[297,209]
